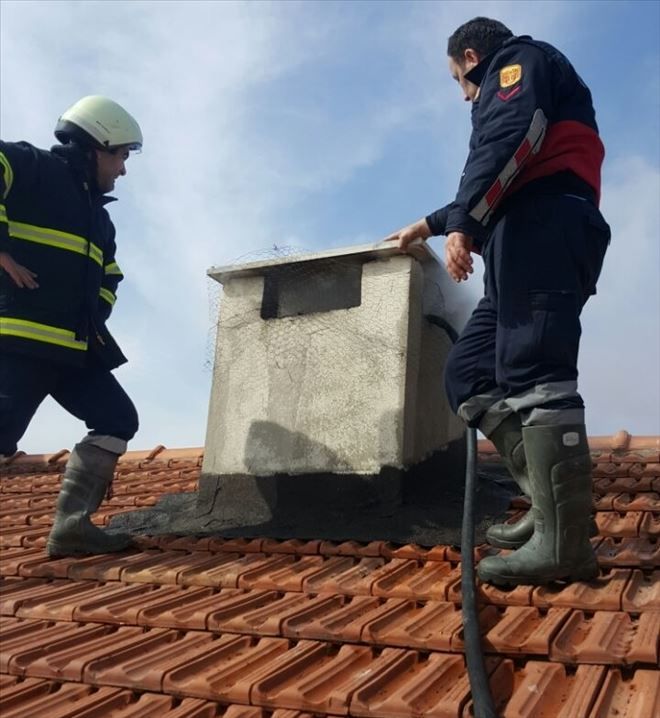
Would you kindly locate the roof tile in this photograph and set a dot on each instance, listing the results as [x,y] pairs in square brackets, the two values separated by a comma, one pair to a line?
[184,608]
[342,619]
[226,670]
[125,605]
[615,552]
[635,695]
[141,664]
[548,689]
[320,678]
[642,592]
[608,637]
[260,613]
[525,630]
[20,652]
[604,592]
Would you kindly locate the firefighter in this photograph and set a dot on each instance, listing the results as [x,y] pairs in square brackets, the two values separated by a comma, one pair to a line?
[58,284]
[528,203]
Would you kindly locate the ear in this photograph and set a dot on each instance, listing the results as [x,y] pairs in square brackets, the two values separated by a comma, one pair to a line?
[471,56]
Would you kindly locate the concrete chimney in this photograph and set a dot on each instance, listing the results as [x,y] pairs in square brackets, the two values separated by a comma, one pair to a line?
[328,381]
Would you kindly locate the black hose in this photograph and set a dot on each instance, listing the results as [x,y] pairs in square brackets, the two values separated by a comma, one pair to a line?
[443,324]
[474,657]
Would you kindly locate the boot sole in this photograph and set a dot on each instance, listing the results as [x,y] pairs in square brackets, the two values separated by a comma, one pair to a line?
[56,550]
[513,545]
[582,573]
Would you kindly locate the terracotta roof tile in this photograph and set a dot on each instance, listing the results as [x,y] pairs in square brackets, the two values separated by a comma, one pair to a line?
[548,689]
[190,627]
[341,618]
[628,697]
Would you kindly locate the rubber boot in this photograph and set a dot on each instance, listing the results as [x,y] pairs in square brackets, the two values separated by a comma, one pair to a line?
[508,441]
[87,476]
[559,466]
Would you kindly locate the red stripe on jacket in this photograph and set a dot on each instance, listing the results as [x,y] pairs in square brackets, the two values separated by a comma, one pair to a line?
[568,145]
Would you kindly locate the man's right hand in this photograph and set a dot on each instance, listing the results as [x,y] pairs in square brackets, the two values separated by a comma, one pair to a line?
[20,275]
[407,235]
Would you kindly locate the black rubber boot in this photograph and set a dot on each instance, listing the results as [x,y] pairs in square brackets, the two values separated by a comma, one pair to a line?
[559,466]
[508,441]
[87,476]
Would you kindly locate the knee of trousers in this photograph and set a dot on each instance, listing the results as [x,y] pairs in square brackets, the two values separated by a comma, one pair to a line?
[131,423]
[122,423]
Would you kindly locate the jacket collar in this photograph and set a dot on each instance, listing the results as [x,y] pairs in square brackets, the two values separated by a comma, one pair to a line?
[82,167]
[478,72]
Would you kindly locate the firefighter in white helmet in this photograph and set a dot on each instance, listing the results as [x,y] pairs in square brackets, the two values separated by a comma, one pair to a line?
[58,284]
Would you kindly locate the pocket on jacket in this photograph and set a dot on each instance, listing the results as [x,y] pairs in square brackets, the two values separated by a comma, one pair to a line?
[598,236]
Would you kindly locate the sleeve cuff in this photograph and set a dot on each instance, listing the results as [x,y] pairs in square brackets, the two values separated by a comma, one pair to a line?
[460,221]
[437,221]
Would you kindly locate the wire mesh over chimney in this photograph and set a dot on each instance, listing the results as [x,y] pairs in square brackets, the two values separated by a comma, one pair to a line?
[328,375]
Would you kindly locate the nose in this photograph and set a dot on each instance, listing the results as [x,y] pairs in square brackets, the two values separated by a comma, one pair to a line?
[122,169]
[466,97]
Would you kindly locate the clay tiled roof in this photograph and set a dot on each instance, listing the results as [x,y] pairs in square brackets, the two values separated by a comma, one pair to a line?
[256,628]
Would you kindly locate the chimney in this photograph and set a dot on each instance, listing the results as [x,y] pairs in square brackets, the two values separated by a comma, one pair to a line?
[327,388]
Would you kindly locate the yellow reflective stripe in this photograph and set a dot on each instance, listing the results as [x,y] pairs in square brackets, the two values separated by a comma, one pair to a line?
[113,268]
[55,238]
[40,333]
[107,295]
[3,213]
[8,172]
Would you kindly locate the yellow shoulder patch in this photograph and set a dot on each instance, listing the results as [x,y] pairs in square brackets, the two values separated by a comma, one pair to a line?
[510,75]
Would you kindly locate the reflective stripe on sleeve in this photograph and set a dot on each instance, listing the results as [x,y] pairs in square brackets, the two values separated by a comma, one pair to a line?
[3,213]
[7,173]
[530,145]
[107,295]
[113,268]
[40,333]
[55,238]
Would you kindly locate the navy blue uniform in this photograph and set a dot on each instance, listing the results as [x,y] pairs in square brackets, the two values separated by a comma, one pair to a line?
[529,197]
[54,339]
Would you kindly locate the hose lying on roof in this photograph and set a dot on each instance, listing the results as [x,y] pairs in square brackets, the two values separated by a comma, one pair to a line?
[474,657]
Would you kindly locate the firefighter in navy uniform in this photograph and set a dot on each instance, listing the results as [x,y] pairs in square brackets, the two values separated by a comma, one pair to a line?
[58,282]
[528,203]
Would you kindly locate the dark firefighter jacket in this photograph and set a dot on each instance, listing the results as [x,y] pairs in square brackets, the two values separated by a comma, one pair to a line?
[52,224]
[533,126]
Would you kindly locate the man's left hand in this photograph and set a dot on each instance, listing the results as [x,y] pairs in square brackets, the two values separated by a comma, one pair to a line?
[457,255]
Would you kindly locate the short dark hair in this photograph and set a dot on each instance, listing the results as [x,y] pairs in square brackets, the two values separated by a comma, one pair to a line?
[481,34]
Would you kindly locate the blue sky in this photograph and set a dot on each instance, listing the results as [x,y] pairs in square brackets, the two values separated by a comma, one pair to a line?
[318,125]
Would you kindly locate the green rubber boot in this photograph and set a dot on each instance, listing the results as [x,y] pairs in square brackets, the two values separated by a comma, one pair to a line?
[508,441]
[87,476]
[559,466]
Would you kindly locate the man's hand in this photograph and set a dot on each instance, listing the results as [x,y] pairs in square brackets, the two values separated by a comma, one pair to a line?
[406,235]
[20,275]
[457,255]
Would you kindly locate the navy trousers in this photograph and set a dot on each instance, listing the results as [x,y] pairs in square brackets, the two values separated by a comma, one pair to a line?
[519,350]
[91,394]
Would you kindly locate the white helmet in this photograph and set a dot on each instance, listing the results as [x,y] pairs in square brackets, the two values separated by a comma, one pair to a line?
[99,121]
